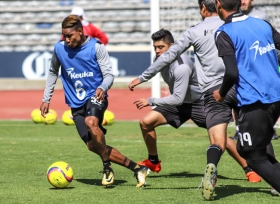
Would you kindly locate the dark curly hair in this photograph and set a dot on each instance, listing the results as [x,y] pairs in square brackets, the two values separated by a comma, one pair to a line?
[163,34]
[72,21]
[209,4]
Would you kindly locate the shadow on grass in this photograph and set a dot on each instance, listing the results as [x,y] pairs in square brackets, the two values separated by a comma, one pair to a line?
[188,175]
[221,192]
[229,190]
[66,188]
[97,182]
[149,187]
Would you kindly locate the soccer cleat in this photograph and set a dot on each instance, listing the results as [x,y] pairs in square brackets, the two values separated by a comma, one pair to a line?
[150,165]
[108,176]
[253,177]
[141,175]
[274,192]
[209,181]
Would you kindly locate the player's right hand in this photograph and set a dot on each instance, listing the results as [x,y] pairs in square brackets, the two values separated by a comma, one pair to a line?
[44,109]
[134,83]
[141,103]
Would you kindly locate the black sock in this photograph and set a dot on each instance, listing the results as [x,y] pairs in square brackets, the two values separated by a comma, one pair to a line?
[106,164]
[214,153]
[133,166]
[247,169]
[153,159]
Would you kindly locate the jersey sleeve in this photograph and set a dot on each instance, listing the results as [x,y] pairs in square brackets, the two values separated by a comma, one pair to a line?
[52,78]
[182,75]
[105,66]
[224,44]
[167,58]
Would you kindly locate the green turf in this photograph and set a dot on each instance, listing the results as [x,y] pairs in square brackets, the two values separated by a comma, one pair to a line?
[27,150]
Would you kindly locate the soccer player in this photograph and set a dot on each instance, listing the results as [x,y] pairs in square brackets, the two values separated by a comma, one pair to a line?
[86,75]
[210,72]
[185,102]
[247,8]
[89,29]
[247,47]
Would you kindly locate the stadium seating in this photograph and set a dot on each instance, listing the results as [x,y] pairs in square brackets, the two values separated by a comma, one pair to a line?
[30,25]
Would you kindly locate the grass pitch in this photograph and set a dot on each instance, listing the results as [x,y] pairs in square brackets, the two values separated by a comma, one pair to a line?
[27,150]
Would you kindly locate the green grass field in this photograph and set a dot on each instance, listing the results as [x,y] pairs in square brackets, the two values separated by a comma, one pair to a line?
[27,150]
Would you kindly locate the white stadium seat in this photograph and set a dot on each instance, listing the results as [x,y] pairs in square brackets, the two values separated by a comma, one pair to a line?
[34,37]
[22,48]
[110,25]
[39,48]
[7,16]
[28,15]
[119,19]
[4,38]
[121,35]
[16,38]
[28,26]
[10,26]
[6,48]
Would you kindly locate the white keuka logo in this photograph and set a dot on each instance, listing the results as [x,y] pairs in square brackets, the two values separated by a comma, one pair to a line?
[37,65]
[262,50]
[74,75]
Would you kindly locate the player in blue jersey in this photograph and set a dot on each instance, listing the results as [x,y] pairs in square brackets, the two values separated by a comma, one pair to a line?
[249,9]
[86,75]
[185,102]
[247,46]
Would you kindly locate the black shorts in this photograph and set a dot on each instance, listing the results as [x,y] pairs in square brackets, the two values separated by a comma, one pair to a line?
[177,115]
[90,108]
[219,112]
[256,123]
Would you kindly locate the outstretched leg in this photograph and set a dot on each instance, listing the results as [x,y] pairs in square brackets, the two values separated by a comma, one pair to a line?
[116,157]
[261,163]
[147,125]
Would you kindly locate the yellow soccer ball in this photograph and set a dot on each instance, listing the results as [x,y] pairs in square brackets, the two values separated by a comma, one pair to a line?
[36,116]
[109,118]
[53,111]
[60,174]
[67,118]
[50,118]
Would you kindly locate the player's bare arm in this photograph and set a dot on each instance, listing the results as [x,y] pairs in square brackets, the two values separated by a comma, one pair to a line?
[135,82]
[141,103]
[44,108]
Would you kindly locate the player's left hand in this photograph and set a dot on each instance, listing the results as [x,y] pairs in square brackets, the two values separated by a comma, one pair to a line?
[99,94]
[217,96]
[141,103]
[134,83]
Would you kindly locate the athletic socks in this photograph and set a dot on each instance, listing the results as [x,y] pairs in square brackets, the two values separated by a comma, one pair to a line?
[214,153]
[106,164]
[153,159]
[247,169]
[133,166]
